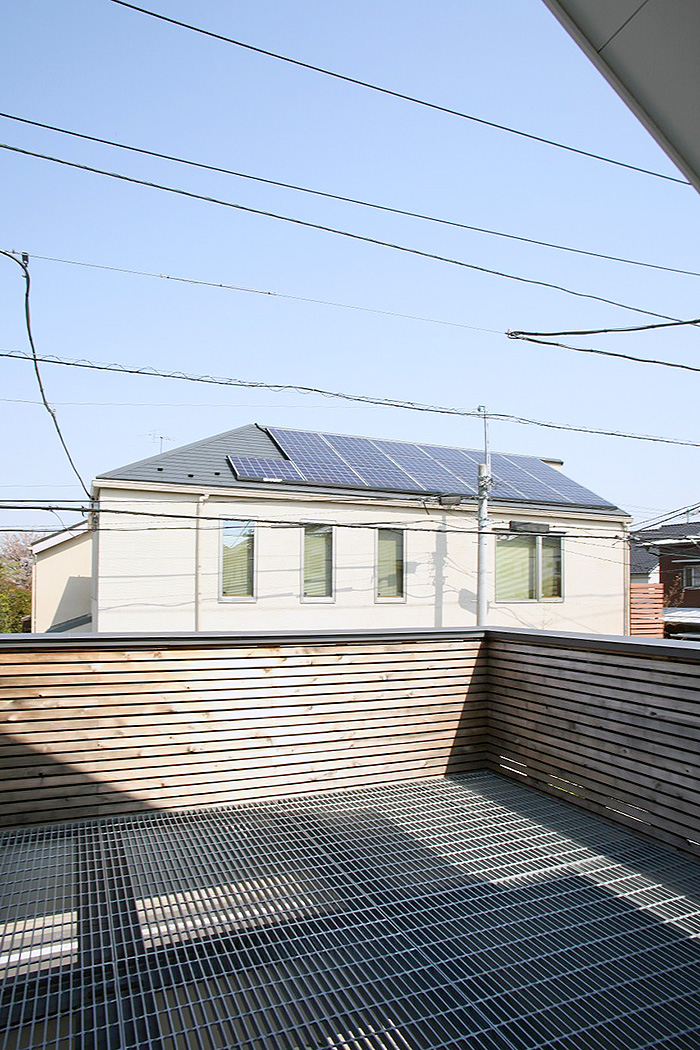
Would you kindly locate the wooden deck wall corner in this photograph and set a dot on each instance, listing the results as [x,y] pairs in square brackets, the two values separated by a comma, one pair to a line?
[124,724]
[610,725]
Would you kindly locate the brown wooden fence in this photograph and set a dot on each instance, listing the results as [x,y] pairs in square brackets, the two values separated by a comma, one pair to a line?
[647,610]
[99,727]
[612,726]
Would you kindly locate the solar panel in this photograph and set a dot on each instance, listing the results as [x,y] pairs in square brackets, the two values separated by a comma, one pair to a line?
[345,461]
[566,490]
[374,466]
[435,475]
[254,468]
[319,462]
[541,483]
[460,462]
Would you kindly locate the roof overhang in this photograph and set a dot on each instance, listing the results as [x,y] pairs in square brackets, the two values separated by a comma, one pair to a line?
[648,52]
[671,541]
[57,538]
[361,497]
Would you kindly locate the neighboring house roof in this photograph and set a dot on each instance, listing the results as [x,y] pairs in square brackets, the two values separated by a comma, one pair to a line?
[261,457]
[55,539]
[668,534]
[642,560]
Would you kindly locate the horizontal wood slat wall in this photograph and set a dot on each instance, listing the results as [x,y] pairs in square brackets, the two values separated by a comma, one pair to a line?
[613,731]
[90,731]
[647,609]
[107,727]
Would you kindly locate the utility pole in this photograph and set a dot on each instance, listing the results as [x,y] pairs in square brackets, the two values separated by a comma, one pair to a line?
[485,482]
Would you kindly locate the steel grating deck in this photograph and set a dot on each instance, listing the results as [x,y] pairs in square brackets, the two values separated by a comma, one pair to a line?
[461,912]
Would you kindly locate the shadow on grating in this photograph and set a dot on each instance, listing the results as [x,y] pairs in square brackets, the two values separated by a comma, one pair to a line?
[459,912]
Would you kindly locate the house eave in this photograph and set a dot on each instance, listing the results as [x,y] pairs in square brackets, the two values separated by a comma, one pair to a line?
[58,538]
[354,497]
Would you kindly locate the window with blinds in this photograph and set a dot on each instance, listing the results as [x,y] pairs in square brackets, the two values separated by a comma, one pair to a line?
[390,563]
[550,567]
[318,561]
[238,559]
[528,568]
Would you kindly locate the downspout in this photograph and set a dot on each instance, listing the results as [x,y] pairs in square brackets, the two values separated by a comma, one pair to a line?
[201,500]
[627,614]
[33,593]
[94,527]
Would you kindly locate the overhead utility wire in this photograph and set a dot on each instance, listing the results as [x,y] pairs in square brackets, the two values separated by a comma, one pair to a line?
[334,230]
[603,331]
[347,200]
[23,264]
[397,94]
[262,291]
[607,353]
[659,520]
[191,522]
[411,406]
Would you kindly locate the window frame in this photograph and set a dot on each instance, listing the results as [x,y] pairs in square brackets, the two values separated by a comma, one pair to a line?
[317,599]
[399,599]
[252,522]
[538,599]
[687,571]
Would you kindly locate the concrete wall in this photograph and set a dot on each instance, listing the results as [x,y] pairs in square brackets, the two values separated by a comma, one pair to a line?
[162,573]
[62,585]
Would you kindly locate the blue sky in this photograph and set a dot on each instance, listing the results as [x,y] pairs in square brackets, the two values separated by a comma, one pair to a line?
[92,66]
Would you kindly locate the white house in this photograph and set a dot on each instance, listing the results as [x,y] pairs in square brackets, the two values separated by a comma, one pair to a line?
[275,529]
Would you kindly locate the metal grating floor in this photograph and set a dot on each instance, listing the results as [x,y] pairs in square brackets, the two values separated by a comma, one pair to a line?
[462,912]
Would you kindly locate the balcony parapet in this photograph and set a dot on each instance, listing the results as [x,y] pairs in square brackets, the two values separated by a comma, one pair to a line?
[105,724]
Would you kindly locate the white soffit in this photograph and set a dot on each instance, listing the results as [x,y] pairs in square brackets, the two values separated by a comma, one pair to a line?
[649,51]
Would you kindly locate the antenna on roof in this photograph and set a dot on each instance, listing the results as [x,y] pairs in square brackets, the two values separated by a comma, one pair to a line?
[154,436]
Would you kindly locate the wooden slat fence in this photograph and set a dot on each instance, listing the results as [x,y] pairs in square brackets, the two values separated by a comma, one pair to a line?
[647,610]
[93,728]
[101,727]
[611,726]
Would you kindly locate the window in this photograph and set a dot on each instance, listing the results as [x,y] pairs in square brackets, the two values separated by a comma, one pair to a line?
[390,563]
[691,576]
[528,568]
[318,561]
[238,559]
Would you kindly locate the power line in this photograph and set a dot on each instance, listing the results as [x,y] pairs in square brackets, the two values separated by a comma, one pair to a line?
[23,264]
[142,404]
[345,199]
[607,353]
[331,229]
[261,291]
[603,331]
[667,516]
[411,406]
[192,521]
[398,94]
[596,432]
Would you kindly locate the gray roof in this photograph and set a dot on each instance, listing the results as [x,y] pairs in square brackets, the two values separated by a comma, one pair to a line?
[668,532]
[255,456]
[642,560]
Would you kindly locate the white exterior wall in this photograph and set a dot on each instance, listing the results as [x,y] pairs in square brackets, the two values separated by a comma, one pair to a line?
[62,583]
[160,573]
